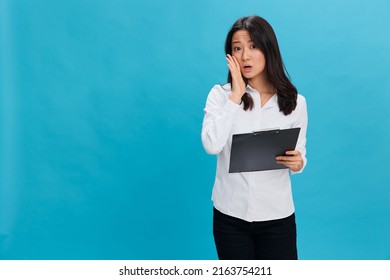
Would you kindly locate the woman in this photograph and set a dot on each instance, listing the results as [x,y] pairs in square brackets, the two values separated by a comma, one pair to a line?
[254,211]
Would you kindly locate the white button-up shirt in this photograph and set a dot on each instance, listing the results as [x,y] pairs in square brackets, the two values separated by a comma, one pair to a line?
[251,196]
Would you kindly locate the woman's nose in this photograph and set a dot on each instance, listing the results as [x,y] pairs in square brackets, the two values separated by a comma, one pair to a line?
[245,55]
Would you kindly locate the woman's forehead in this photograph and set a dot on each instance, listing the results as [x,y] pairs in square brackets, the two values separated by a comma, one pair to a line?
[241,36]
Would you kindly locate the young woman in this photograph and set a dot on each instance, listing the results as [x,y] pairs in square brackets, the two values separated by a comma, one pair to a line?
[254,211]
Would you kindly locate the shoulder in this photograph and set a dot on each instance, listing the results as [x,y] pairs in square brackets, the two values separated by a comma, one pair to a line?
[301,105]
[220,92]
[301,101]
[301,98]
[226,88]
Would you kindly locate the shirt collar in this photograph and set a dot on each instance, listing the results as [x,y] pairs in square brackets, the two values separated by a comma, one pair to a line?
[250,88]
[272,102]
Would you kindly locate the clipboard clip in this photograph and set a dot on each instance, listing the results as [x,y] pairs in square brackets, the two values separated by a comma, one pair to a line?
[275,130]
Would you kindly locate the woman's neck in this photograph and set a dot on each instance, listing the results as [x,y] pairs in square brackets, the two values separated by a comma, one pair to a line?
[262,85]
[265,88]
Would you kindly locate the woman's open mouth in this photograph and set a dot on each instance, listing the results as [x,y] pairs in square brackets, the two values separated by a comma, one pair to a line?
[247,68]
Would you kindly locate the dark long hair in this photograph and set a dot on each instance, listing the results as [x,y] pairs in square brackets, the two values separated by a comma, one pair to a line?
[263,36]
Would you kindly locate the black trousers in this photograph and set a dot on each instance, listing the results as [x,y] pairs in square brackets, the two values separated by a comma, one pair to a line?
[236,239]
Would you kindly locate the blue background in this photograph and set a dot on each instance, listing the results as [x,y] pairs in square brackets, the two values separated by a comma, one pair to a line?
[101,111]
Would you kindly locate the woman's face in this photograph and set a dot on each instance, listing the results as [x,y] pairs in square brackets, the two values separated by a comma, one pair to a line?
[251,59]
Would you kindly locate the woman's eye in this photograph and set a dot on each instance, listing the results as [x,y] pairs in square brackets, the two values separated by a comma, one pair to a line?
[237,49]
[253,47]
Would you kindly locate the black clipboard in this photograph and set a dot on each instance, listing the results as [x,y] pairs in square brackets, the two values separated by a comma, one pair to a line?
[256,151]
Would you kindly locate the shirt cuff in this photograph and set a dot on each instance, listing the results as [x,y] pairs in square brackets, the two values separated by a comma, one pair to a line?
[231,106]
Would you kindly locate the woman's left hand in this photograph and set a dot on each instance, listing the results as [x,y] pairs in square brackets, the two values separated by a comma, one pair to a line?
[292,160]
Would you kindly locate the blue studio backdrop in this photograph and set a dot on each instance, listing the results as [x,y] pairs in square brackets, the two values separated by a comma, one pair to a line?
[101,109]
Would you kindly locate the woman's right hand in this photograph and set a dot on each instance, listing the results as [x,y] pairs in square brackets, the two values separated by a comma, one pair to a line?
[238,83]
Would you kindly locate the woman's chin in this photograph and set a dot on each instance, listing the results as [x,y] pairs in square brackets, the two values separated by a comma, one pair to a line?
[247,75]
